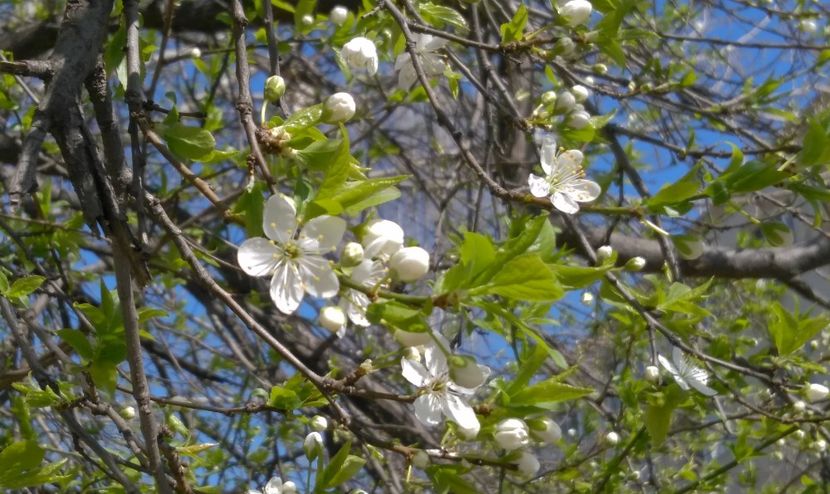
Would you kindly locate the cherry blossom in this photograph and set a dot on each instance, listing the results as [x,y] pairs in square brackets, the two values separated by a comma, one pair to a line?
[563,182]
[294,260]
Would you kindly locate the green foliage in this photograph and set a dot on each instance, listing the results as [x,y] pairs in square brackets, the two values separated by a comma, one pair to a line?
[790,330]
[20,466]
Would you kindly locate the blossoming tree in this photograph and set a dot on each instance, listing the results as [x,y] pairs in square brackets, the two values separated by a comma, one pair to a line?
[414,246]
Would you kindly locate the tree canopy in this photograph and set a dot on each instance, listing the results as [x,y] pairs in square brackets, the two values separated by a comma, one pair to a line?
[409,246]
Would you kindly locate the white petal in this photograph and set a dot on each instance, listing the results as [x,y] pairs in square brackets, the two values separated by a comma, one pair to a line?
[428,409]
[287,287]
[436,361]
[570,160]
[564,203]
[257,256]
[582,190]
[274,486]
[459,411]
[407,76]
[319,279]
[369,273]
[539,186]
[547,154]
[433,65]
[666,364]
[355,303]
[414,372]
[279,220]
[327,230]
[402,61]
[430,43]
[702,388]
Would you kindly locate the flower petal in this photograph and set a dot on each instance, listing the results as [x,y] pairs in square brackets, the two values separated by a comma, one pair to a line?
[287,287]
[428,409]
[257,256]
[402,60]
[274,486]
[318,278]
[459,411]
[435,360]
[564,203]
[570,160]
[407,76]
[427,42]
[539,186]
[547,154]
[279,219]
[414,372]
[433,65]
[327,230]
[355,304]
[582,190]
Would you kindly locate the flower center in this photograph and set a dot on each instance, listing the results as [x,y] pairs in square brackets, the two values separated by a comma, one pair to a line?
[291,250]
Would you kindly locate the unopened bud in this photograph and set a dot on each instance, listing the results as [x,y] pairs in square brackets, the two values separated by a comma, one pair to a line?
[635,264]
[274,88]
[352,254]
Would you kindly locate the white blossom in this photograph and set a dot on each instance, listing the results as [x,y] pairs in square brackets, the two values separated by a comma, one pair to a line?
[636,263]
[685,373]
[195,52]
[289,488]
[565,102]
[352,255]
[545,429]
[612,438]
[587,298]
[580,93]
[339,107]
[466,372]
[367,274]
[127,412]
[338,15]
[432,64]
[319,423]
[334,319]
[563,182]
[816,392]
[410,263]
[576,12]
[294,260]
[512,434]
[604,252]
[382,238]
[469,433]
[361,53]
[274,486]
[652,373]
[439,395]
[579,119]
[528,464]
[799,406]
[313,444]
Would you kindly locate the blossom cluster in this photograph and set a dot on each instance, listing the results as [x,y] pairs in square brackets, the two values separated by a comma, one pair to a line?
[563,181]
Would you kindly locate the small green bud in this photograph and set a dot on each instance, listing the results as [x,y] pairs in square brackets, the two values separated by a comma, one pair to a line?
[274,88]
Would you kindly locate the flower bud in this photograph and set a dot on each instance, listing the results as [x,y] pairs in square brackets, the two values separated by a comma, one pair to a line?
[548,97]
[652,373]
[127,413]
[587,298]
[319,423]
[579,119]
[816,392]
[809,26]
[338,107]
[469,433]
[799,406]
[195,52]
[565,102]
[580,93]
[799,434]
[289,487]
[590,80]
[527,464]
[332,318]
[412,353]
[545,430]
[411,338]
[635,264]
[274,88]
[604,253]
[564,46]
[612,438]
[576,12]
[572,432]
[352,254]
[465,372]
[600,68]
[410,263]
[511,434]
[360,53]
[313,445]
[420,459]
[338,15]
[819,445]
[382,238]
[307,20]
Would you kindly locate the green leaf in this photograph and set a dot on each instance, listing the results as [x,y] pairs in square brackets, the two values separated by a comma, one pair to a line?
[447,479]
[333,467]
[514,30]
[250,206]
[349,469]
[337,172]
[24,286]
[776,233]
[190,143]
[356,192]
[440,15]
[397,315]
[816,145]
[547,392]
[658,421]
[77,340]
[749,177]
[526,277]
[678,192]
[20,466]
[790,330]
